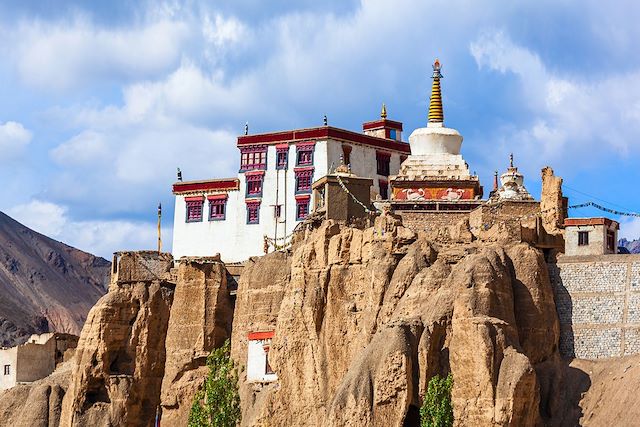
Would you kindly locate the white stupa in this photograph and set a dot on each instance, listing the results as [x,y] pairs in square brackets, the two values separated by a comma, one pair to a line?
[511,185]
[435,164]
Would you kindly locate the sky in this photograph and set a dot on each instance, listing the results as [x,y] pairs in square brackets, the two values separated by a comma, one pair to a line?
[100,102]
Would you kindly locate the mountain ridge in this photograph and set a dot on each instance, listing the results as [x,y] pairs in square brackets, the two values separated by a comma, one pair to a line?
[45,285]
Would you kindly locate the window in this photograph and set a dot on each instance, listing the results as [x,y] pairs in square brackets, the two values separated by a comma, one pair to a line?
[346,154]
[7,369]
[253,157]
[392,134]
[302,208]
[611,240]
[383,160]
[254,184]
[304,179]
[194,209]
[304,154]
[267,368]
[583,238]
[384,189]
[217,208]
[277,211]
[253,212]
[282,155]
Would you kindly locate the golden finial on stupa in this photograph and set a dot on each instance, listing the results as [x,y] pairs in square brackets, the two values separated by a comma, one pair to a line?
[435,102]
[383,113]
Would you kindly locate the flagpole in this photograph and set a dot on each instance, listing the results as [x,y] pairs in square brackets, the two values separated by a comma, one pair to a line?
[159,227]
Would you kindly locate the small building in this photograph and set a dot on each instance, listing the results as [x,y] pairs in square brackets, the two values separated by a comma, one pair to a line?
[342,195]
[35,359]
[272,192]
[590,236]
[258,367]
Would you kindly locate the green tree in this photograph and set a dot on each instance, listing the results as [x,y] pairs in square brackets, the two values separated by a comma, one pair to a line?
[436,408]
[217,404]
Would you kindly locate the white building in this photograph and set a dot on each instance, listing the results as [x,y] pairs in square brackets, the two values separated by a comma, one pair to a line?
[272,192]
[590,236]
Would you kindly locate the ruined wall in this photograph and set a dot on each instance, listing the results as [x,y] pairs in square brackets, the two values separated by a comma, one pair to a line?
[36,361]
[430,221]
[598,304]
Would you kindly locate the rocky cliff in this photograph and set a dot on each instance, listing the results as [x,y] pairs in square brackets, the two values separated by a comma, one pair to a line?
[368,316]
[363,318]
[633,246]
[45,285]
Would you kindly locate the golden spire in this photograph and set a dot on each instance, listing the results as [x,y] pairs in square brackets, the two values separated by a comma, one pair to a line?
[383,113]
[435,103]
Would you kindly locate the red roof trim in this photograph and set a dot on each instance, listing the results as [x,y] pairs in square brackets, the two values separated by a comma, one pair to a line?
[591,221]
[282,146]
[306,144]
[253,201]
[324,132]
[204,186]
[382,123]
[260,335]
[249,173]
[303,197]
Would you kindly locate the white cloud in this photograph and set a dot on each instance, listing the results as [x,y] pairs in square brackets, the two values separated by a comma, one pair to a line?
[13,139]
[62,55]
[87,148]
[571,117]
[100,237]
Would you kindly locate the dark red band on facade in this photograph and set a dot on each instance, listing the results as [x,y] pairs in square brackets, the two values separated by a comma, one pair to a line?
[254,173]
[217,184]
[323,132]
[303,196]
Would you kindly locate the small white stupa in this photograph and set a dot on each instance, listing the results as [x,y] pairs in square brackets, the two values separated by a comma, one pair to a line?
[511,185]
[435,170]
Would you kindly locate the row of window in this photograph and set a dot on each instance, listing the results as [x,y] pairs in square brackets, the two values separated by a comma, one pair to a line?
[304,179]
[255,157]
[217,208]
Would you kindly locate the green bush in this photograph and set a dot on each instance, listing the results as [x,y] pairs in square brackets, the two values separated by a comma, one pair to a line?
[217,404]
[436,408]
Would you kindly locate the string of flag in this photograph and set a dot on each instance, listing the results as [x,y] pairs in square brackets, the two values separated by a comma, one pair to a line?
[604,209]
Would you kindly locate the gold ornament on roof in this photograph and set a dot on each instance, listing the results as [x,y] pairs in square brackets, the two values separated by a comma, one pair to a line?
[383,113]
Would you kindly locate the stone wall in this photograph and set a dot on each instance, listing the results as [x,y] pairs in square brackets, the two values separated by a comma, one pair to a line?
[598,304]
[430,221]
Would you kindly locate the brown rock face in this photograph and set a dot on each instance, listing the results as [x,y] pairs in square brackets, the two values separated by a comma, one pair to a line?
[38,404]
[121,353]
[552,203]
[369,316]
[200,320]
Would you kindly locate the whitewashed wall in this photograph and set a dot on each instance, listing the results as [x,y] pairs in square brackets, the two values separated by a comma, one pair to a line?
[9,357]
[257,362]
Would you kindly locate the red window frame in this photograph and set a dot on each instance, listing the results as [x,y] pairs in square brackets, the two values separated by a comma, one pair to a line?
[383,161]
[217,208]
[193,211]
[254,184]
[302,207]
[253,157]
[282,157]
[304,154]
[304,180]
[253,212]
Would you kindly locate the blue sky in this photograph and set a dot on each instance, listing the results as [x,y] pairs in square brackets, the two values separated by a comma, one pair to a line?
[101,101]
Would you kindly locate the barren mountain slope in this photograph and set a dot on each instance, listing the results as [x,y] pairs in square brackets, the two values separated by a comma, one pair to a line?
[44,284]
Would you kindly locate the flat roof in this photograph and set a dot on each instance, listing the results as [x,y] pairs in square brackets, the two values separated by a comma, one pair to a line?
[568,222]
[324,132]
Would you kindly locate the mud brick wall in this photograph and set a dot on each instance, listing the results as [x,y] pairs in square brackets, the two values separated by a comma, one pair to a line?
[598,304]
[428,221]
